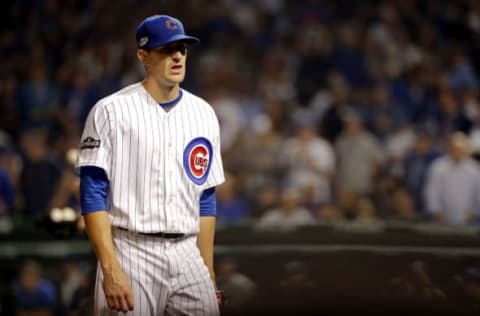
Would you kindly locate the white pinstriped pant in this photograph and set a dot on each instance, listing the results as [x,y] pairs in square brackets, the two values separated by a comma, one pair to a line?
[168,277]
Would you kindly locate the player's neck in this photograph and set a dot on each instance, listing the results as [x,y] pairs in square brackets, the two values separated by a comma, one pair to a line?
[161,94]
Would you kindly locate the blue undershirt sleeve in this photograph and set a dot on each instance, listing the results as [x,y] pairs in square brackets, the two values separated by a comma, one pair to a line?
[208,203]
[93,189]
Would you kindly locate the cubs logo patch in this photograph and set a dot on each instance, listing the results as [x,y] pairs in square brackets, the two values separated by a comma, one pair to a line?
[89,143]
[197,159]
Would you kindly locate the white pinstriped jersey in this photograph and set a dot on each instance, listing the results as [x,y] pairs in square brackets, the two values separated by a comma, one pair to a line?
[158,162]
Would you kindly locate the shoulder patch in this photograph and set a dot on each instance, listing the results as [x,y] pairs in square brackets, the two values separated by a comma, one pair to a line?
[89,143]
[197,159]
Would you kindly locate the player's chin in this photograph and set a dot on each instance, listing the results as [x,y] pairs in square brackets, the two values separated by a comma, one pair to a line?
[176,78]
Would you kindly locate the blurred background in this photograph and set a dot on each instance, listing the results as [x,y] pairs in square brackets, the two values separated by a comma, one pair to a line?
[350,140]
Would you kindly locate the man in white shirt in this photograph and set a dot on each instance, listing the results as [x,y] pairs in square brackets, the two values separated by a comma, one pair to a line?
[452,191]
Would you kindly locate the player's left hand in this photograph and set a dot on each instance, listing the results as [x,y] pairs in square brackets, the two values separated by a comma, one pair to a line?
[118,292]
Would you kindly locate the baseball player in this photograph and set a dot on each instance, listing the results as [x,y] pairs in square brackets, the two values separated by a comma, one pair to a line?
[149,162]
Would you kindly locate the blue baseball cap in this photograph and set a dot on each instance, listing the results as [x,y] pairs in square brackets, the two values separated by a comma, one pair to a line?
[159,30]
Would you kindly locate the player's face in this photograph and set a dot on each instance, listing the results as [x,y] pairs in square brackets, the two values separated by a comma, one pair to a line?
[167,63]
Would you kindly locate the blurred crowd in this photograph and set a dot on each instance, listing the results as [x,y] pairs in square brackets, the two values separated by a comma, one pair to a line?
[277,285]
[65,290]
[330,111]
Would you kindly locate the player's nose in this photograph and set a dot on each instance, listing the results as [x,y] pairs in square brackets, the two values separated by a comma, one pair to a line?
[177,55]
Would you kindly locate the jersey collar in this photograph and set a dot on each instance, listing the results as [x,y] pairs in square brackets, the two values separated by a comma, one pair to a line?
[172,103]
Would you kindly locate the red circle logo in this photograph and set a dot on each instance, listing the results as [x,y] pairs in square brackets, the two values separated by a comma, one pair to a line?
[198,160]
[171,25]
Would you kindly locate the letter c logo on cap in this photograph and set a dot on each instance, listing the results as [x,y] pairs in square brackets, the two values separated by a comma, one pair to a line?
[170,24]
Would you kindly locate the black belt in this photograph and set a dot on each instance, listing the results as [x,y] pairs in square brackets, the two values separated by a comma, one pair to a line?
[159,234]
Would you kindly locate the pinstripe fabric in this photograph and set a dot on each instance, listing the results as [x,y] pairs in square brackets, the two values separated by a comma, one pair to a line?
[142,149]
[168,277]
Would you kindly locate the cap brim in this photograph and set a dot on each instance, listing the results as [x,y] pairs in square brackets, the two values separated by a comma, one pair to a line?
[176,38]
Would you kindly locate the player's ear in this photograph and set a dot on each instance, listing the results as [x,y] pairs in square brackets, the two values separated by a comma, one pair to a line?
[142,56]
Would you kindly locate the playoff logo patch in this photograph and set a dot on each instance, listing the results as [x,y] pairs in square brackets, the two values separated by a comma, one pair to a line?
[89,143]
[197,159]
[143,41]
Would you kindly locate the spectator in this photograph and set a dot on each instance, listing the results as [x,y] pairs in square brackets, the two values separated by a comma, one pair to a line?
[329,105]
[451,116]
[38,96]
[452,190]
[298,290]
[82,299]
[329,214]
[288,216]
[384,115]
[40,174]
[231,207]
[348,55]
[385,186]
[416,288]
[365,212]
[309,161]
[71,281]
[35,296]
[264,143]
[359,156]
[238,287]
[75,286]
[267,198]
[416,164]
[67,192]
[345,203]
[469,281]
[403,207]
[230,116]
[461,74]
[314,46]
[277,78]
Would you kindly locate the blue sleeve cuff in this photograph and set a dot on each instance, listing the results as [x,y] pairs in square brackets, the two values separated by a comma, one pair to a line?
[93,189]
[208,203]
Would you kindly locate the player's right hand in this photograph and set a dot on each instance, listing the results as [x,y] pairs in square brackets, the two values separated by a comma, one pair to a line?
[118,291]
